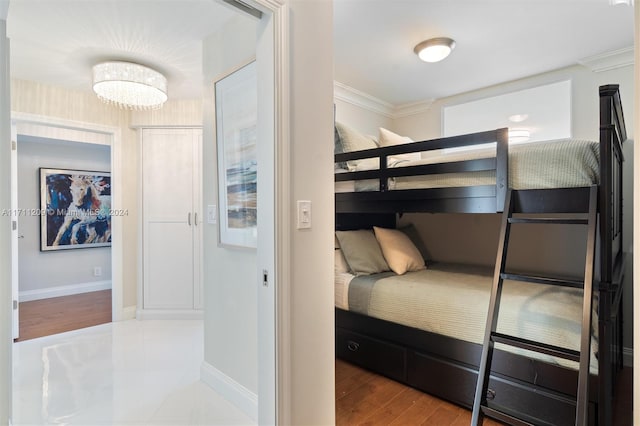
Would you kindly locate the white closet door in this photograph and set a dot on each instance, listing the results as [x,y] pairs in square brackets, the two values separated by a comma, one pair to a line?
[168,211]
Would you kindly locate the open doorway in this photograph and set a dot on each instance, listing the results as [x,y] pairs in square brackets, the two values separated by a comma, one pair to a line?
[64,259]
[42,145]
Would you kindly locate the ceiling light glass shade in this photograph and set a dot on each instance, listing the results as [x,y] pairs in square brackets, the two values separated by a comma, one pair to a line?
[129,85]
[518,118]
[519,135]
[435,49]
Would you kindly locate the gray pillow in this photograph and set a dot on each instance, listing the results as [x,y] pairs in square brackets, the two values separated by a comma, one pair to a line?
[347,139]
[362,252]
[337,148]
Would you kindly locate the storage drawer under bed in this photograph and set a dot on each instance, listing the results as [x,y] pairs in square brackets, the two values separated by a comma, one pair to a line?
[456,382]
[382,357]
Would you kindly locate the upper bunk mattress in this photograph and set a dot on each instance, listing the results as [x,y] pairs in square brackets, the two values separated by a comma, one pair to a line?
[453,300]
[566,163]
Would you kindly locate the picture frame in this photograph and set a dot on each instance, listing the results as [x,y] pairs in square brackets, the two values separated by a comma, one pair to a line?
[75,209]
[236,116]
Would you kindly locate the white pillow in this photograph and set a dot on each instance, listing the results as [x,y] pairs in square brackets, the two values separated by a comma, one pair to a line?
[388,138]
[398,250]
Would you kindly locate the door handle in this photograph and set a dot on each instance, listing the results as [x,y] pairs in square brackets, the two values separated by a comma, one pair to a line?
[195,218]
[189,218]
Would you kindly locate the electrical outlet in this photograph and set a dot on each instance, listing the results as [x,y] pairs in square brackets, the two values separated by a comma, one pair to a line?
[97,271]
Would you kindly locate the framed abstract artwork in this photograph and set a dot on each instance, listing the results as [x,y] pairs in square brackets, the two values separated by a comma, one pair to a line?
[75,208]
[236,105]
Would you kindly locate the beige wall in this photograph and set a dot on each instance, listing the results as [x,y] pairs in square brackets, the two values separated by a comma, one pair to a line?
[174,113]
[41,99]
[360,119]
[312,318]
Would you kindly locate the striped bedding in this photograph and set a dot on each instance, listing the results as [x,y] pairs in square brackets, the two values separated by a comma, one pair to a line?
[563,163]
[453,300]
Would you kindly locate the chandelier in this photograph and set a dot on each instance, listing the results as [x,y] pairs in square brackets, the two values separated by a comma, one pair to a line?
[129,85]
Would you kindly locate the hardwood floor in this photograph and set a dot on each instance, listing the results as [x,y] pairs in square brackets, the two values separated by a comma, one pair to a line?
[59,314]
[365,398]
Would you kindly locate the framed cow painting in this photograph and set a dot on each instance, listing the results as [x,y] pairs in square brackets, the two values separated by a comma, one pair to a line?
[75,209]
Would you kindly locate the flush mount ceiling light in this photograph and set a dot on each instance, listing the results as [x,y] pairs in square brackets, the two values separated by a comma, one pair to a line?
[624,2]
[518,118]
[435,49]
[129,85]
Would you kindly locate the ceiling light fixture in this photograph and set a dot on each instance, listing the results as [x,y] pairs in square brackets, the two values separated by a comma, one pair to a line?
[518,118]
[435,49]
[624,2]
[129,85]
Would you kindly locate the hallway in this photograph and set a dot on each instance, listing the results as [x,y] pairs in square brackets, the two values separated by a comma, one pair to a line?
[130,372]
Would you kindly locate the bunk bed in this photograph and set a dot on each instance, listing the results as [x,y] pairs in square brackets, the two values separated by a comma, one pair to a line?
[447,366]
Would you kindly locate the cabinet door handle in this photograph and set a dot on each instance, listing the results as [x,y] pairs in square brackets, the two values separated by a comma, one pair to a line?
[195,218]
[189,218]
[353,346]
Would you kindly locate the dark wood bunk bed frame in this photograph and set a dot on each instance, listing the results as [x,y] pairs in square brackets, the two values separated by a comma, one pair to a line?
[447,367]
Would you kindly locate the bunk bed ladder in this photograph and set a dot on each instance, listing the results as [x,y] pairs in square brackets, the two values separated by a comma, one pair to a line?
[480,406]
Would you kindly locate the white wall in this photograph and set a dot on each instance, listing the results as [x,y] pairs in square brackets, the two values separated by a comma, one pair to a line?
[6,336]
[584,94]
[42,270]
[229,275]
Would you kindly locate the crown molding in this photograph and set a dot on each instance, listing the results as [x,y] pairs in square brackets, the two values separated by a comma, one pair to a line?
[363,100]
[609,60]
[360,99]
[412,108]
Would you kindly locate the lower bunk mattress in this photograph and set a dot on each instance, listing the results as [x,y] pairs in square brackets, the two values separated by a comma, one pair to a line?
[453,300]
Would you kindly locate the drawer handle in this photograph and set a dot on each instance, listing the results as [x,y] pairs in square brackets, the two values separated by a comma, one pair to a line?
[491,394]
[353,346]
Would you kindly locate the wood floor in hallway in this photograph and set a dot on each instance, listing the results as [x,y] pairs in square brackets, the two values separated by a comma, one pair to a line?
[44,317]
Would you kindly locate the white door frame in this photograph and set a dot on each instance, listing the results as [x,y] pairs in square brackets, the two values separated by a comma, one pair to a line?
[57,128]
[15,233]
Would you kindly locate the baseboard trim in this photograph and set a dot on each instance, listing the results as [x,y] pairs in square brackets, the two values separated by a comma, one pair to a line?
[627,357]
[65,290]
[129,313]
[169,314]
[234,392]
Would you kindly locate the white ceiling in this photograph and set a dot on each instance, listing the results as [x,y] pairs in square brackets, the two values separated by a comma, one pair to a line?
[497,41]
[57,41]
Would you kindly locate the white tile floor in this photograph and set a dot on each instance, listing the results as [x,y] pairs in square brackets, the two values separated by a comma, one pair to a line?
[124,373]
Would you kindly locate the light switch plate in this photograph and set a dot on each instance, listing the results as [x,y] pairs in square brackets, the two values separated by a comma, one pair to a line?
[212,214]
[304,214]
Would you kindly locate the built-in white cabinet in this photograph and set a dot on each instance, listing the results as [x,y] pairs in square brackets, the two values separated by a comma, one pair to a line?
[171,220]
